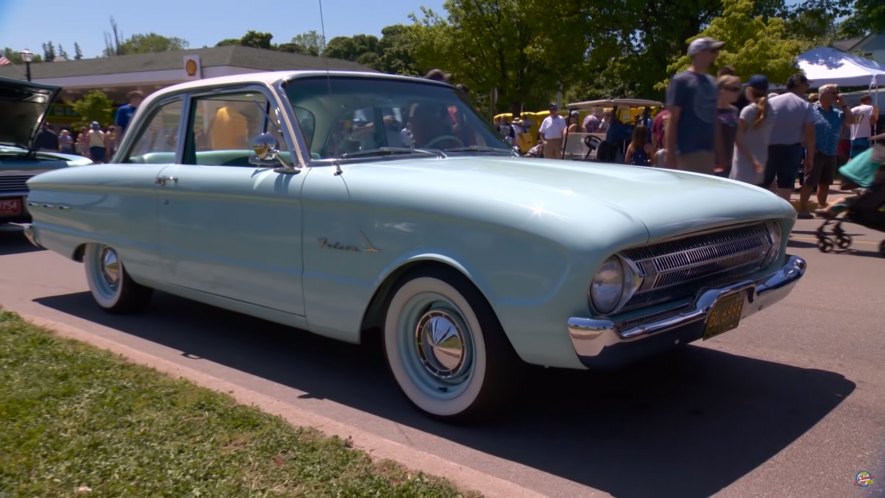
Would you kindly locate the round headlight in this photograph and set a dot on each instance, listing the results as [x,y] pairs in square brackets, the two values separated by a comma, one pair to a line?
[607,286]
[774,235]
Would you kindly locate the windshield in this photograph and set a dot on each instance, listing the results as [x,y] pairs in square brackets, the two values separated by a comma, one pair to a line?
[348,117]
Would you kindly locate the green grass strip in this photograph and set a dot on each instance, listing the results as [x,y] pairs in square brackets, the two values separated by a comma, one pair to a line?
[74,416]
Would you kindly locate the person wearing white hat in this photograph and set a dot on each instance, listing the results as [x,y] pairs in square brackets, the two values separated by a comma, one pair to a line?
[691,100]
[551,131]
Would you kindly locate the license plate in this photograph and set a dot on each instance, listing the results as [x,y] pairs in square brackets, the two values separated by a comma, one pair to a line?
[725,315]
[10,207]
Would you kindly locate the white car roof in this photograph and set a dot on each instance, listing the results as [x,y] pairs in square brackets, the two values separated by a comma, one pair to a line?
[271,77]
[590,104]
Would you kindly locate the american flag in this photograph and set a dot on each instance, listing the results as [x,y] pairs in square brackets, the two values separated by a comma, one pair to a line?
[4,61]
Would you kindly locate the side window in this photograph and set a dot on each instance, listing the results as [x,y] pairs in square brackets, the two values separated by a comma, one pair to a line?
[223,127]
[156,142]
[308,124]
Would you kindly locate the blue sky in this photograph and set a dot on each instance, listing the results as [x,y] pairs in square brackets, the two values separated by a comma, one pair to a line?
[30,23]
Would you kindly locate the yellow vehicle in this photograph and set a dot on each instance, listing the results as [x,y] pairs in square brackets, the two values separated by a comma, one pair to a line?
[530,122]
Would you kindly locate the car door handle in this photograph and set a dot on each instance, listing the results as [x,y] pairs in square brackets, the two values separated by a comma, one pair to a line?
[162,180]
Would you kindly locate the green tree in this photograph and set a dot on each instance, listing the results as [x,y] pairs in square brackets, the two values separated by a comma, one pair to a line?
[48,52]
[94,106]
[78,52]
[397,51]
[253,39]
[152,43]
[512,49]
[816,22]
[867,16]
[113,41]
[752,44]
[311,42]
[632,41]
[117,44]
[257,40]
[62,54]
[15,56]
[358,48]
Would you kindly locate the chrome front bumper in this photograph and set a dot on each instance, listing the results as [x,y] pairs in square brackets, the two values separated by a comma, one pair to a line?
[602,342]
[31,235]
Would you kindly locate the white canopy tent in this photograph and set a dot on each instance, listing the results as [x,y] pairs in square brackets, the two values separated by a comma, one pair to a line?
[824,65]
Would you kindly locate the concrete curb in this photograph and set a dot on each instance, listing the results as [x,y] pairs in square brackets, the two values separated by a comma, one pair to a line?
[377,447]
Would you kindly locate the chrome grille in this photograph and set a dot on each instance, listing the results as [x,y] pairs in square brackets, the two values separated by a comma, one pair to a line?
[679,268]
[14,183]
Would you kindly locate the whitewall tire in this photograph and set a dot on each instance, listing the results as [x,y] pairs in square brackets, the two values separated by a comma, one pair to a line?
[445,347]
[111,287]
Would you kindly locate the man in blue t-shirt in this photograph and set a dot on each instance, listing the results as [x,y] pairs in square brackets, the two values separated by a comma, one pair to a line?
[831,114]
[126,111]
[691,100]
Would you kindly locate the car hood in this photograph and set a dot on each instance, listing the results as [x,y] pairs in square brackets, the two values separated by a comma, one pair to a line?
[571,197]
[18,158]
[23,105]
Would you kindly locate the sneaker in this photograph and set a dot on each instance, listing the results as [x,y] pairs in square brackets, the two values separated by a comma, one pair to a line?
[805,215]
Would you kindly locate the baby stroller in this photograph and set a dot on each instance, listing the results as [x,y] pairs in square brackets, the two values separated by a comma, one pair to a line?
[866,209]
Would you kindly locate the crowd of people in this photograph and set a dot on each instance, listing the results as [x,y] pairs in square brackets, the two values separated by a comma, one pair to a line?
[772,138]
[95,141]
[740,130]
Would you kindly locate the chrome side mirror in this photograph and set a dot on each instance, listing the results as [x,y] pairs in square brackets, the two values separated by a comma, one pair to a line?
[266,151]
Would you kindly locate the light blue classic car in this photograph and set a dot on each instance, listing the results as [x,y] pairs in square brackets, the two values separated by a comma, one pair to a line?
[23,106]
[352,204]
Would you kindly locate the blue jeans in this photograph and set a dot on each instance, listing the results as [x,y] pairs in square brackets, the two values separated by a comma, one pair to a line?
[858,145]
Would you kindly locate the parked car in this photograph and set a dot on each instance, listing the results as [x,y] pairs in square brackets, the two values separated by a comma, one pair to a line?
[23,106]
[375,204]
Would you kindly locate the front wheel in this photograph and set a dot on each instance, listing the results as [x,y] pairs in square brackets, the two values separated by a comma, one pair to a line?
[110,284]
[446,349]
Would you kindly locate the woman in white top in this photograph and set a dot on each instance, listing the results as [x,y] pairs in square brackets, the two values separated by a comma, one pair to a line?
[753,134]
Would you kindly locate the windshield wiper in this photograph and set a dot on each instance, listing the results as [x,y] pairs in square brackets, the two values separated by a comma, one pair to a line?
[389,151]
[481,148]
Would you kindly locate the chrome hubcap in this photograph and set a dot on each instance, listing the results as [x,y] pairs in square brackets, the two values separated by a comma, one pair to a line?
[440,345]
[110,266]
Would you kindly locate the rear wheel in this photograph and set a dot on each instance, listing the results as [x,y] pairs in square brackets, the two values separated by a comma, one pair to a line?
[110,284]
[445,347]
[825,245]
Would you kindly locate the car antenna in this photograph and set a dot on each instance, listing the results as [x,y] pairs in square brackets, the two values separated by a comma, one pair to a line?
[325,58]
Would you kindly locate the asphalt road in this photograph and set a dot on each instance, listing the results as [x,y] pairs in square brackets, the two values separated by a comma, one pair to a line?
[792,403]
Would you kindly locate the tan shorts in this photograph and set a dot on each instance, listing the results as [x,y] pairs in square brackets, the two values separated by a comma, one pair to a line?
[553,148]
[701,161]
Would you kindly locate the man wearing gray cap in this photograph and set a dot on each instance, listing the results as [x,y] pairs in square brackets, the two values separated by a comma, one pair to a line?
[691,100]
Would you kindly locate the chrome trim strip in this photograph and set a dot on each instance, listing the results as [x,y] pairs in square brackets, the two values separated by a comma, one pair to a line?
[591,336]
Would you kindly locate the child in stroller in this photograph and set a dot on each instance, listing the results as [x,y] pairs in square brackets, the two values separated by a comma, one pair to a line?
[866,209]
